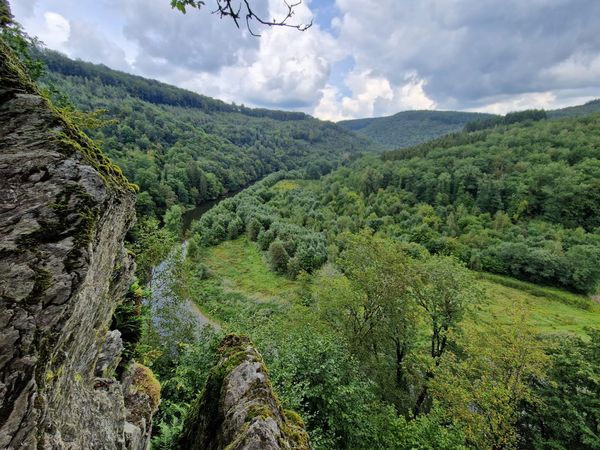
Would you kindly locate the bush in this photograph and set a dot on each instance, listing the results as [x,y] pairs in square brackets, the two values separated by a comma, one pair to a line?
[278,257]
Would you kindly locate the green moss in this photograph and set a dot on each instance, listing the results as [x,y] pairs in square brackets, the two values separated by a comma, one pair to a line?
[42,280]
[262,411]
[70,139]
[294,418]
[144,381]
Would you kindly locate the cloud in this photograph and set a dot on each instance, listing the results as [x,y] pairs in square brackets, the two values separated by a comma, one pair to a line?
[87,42]
[364,57]
[470,50]
[198,40]
[23,8]
[533,100]
[372,96]
[284,68]
[53,29]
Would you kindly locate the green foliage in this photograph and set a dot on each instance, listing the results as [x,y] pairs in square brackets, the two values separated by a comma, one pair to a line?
[483,384]
[410,128]
[278,256]
[567,413]
[183,148]
[519,200]
[20,43]
[590,107]
[151,245]
[173,220]
[297,248]
[508,119]
[446,290]
[182,378]
[128,318]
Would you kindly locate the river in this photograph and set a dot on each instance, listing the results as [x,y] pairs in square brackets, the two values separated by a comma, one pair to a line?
[170,314]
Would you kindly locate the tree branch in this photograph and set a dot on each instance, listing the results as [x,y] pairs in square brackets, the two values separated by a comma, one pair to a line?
[226,8]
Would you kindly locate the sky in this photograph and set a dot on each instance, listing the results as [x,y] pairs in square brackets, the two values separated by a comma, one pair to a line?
[361,58]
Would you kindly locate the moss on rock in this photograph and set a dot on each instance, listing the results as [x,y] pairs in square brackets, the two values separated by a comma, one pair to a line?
[238,409]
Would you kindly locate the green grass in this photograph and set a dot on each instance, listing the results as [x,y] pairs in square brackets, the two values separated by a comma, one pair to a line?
[288,185]
[240,270]
[241,267]
[546,314]
[568,298]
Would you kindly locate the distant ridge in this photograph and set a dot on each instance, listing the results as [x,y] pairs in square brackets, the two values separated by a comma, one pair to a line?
[590,107]
[408,128]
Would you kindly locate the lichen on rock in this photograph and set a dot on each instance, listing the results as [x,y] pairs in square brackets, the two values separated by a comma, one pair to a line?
[238,408]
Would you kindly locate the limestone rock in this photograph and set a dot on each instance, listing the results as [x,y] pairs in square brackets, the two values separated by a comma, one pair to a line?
[238,409]
[64,212]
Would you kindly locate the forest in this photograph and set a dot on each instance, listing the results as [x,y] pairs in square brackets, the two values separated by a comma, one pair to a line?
[408,128]
[374,286]
[182,148]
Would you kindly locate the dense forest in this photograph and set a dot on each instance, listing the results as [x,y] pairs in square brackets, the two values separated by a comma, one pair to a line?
[409,128]
[182,148]
[520,200]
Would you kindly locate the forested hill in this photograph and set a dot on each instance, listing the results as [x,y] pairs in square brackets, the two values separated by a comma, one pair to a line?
[409,128]
[184,148]
[576,111]
[520,200]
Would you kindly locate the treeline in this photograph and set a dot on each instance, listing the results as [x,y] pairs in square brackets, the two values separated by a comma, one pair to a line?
[183,148]
[152,91]
[291,248]
[508,119]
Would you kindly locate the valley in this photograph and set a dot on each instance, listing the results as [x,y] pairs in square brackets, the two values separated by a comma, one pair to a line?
[423,280]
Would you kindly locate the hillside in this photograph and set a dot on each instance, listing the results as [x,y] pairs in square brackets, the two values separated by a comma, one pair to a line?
[519,200]
[590,107]
[184,148]
[409,128]
[378,254]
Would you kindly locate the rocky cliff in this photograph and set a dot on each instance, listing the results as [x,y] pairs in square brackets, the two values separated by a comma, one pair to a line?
[238,409]
[64,212]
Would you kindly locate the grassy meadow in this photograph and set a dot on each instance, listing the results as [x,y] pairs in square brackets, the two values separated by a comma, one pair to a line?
[240,272]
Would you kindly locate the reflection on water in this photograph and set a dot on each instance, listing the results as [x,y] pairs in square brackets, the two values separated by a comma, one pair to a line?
[195,213]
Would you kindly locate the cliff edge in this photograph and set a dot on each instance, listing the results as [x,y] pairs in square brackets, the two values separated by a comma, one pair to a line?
[64,212]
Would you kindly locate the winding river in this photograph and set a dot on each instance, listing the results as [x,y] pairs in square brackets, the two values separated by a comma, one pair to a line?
[165,305]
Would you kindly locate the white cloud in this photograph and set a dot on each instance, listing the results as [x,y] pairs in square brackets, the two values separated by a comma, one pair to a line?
[533,100]
[372,96]
[87,42]
[288,69]
[52,28]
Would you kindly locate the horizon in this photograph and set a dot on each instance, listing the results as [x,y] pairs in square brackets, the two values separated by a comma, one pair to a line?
[543,55]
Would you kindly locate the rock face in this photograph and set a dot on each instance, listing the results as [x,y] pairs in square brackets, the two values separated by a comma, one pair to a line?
[238,409]
[64,211]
